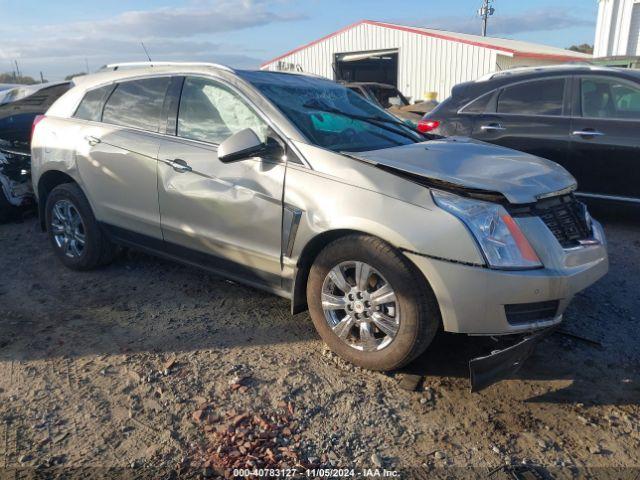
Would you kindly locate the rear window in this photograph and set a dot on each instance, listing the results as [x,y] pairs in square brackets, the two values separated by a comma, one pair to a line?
[541,97]
[137,103]
[90,107]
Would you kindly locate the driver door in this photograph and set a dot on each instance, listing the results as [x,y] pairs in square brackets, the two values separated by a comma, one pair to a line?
[226,213]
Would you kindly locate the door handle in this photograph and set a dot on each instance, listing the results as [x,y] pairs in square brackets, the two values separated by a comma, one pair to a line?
[588,133]
[492,127]
[180,165]
[91,140]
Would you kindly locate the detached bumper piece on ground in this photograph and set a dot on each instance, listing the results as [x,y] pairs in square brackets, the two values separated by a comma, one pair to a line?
[485,371]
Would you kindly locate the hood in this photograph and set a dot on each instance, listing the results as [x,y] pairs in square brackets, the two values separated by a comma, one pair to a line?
[520,177]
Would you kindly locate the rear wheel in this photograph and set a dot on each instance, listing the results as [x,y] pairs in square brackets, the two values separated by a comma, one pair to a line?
[369,304]
[74,233]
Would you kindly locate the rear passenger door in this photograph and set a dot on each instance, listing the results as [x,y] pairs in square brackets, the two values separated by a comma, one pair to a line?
[605,146]
[531,116]
[117,154]
[230,211]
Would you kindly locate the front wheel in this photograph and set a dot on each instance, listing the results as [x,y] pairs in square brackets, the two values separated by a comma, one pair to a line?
[369,304]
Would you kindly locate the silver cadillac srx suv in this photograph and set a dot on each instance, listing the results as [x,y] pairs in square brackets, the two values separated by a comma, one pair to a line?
[297,185]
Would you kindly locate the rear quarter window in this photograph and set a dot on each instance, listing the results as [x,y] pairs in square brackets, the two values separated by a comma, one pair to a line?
[90,107]
[479,105]
[137,103]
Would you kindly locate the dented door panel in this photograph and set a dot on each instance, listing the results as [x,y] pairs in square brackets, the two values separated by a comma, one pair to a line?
[232,211]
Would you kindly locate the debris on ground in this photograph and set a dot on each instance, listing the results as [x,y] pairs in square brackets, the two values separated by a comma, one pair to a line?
[252,440]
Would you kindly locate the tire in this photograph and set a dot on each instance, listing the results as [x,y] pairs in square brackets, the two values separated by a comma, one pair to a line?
[97,250]
[414,309]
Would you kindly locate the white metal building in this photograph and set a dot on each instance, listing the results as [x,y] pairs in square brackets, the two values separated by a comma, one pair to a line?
[416,60]
[618,29]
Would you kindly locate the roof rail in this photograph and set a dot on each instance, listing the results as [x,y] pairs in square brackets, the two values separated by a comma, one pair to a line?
[518,70]
[118,66]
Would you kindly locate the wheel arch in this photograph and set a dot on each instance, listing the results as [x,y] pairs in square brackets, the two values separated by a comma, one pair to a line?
[309,254]
[46,183]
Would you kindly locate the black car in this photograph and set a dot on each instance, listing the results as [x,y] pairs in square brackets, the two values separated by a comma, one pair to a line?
[585,118]
[18,108]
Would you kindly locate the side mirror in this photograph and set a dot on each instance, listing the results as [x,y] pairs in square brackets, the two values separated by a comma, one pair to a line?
[241,145]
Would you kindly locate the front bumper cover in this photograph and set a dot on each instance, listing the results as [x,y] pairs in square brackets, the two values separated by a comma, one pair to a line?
[472,299]
[487,370]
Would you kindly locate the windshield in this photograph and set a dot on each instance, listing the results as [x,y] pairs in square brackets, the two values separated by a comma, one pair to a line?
[330,115]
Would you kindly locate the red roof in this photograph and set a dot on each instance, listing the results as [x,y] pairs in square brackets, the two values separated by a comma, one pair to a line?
[452,36]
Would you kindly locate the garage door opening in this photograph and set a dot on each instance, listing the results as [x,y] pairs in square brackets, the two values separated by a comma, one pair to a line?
[373,66]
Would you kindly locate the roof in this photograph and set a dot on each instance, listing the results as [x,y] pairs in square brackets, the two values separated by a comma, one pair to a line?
[515,48]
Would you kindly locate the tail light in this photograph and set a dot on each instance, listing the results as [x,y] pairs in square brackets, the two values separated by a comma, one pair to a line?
[36,121]
[425,126]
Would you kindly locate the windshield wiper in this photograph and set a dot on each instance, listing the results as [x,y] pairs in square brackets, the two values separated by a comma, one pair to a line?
[377,121]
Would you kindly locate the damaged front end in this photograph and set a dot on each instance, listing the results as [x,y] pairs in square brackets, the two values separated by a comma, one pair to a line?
[15,178]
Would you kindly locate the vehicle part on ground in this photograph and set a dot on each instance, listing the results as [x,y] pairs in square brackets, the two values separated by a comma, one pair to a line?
[485,371]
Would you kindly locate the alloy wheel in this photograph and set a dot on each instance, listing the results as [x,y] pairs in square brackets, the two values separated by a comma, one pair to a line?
[67,228]
[360,306]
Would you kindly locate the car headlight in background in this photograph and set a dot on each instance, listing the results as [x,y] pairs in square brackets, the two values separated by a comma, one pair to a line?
[501,240]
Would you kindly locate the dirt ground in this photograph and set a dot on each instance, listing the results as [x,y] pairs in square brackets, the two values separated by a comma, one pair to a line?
[149,366]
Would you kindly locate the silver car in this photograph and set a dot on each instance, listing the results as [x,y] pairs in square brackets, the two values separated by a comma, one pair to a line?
[299,186]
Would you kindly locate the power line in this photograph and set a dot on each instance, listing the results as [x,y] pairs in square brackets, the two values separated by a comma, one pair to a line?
[485,11]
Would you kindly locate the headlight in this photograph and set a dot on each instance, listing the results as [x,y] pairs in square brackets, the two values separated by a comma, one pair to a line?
[500,239]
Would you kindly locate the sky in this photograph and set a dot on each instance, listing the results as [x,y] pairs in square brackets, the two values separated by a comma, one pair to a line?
[64,36]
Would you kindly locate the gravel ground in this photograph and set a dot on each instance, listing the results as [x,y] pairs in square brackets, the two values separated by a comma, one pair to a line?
[150,366]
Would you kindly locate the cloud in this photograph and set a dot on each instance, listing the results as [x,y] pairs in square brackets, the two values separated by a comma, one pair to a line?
[214,17]
[193,33]
[529,21]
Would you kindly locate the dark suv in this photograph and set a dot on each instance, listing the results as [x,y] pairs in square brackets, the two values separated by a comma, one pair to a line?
[19,106]
[585,118]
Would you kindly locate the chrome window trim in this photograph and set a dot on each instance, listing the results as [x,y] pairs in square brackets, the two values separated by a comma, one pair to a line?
[216,78]
[554,77]
[461,109]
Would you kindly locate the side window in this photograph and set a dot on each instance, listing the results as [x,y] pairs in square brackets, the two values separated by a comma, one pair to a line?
[137,103]
[540,97]
[90,107]
[211,112]
[609,98]
[479,105]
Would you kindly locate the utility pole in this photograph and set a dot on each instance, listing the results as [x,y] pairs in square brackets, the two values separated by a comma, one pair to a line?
[41,77]
[485,11]
[17,68]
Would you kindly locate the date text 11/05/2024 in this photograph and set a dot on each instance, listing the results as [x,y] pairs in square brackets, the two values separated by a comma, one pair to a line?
[316,473]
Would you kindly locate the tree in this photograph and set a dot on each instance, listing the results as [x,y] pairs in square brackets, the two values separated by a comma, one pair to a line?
[583,48]
[10,77]
[69,77]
